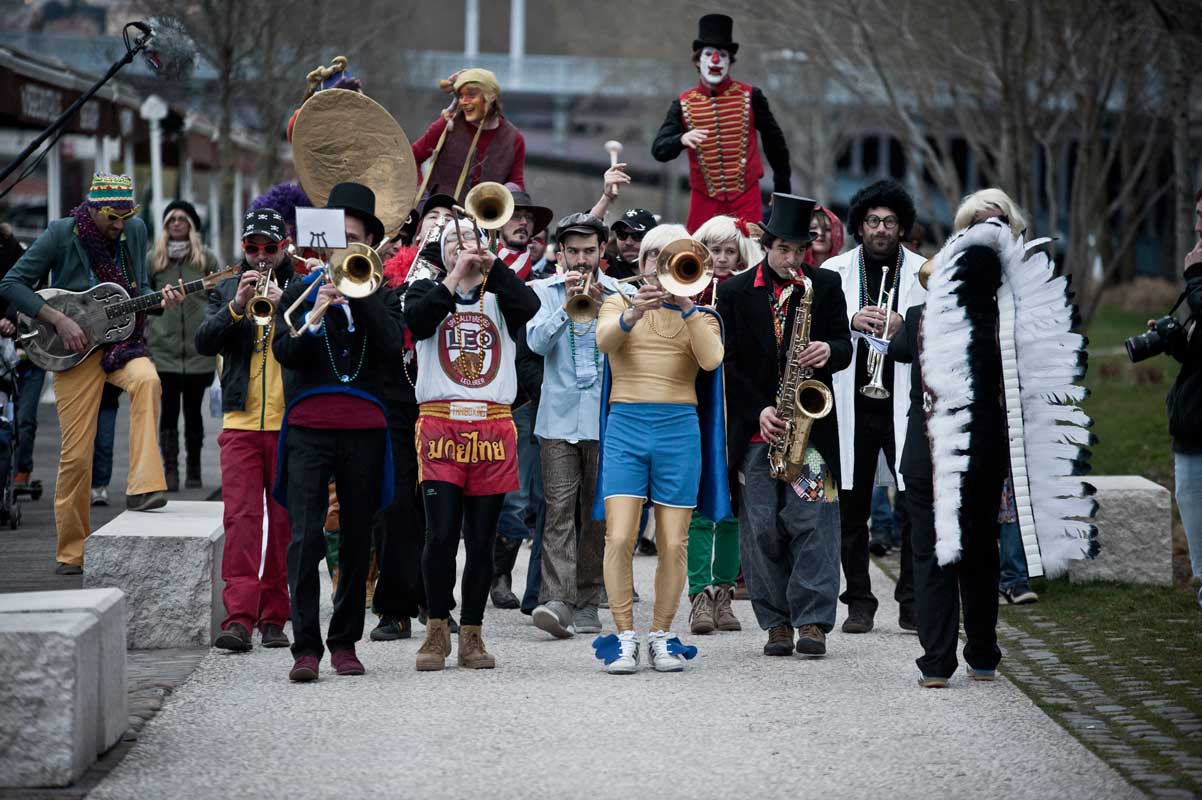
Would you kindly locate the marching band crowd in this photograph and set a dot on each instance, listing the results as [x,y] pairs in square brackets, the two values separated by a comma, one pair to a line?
[450,377]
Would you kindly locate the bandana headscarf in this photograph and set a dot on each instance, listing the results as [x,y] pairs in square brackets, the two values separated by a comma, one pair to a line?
[836,226]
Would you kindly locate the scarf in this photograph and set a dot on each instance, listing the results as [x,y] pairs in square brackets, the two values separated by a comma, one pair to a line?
[179,249]
[107,263]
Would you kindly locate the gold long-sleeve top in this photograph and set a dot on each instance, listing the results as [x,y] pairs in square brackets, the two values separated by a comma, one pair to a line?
[657,360]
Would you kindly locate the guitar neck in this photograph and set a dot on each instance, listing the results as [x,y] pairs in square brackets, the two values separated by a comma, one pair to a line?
[146,302]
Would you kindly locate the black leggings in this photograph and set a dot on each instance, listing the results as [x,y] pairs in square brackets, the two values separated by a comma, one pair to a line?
[447,513]
[192,387]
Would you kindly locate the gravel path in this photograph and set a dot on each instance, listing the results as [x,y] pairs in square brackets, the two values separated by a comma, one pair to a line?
[548,723]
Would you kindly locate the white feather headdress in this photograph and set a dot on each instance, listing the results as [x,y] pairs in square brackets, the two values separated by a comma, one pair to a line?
[1042,359]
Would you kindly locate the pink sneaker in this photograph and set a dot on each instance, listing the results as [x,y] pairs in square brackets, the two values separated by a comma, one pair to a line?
[346,662]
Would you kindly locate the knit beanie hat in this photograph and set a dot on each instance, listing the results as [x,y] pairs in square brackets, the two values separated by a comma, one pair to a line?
[114,191]
[187,208]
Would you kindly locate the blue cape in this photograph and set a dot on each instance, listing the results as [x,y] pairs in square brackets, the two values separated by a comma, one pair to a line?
[713,495]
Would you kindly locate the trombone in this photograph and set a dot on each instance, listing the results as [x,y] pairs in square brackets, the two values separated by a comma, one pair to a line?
[875,388]
[490,206]
[356,271]
[684,267]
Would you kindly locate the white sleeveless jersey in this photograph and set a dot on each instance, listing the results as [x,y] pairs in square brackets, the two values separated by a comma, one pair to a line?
[470,357]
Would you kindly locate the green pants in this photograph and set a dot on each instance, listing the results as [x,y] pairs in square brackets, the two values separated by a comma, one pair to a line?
[713,553]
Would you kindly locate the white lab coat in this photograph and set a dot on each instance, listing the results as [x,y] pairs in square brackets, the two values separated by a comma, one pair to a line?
[848,266]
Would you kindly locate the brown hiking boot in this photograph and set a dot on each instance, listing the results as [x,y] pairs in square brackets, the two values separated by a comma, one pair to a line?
[780,641]
[811,641]
[432,655]
[724,616]
[471,649]
[701,615]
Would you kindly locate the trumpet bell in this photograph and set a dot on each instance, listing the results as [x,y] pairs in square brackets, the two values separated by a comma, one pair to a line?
[684,267]
[356,271]
[582,309]
[490,204]
[261,310]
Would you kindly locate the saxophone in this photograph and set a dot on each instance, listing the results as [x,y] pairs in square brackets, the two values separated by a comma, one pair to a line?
[800,401]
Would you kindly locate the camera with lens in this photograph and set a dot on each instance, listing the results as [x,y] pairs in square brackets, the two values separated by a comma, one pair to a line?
[1154,341]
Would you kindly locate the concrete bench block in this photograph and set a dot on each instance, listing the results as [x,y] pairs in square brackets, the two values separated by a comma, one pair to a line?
[168,564]
[108,606]
[49,686]
[1135,529]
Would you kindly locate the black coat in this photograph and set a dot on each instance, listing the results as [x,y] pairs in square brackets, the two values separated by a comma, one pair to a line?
[1184,402]
[306,361]
[754,363]
[234,340]
[903,348]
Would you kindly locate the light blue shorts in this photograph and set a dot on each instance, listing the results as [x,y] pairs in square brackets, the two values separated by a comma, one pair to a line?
[652,450]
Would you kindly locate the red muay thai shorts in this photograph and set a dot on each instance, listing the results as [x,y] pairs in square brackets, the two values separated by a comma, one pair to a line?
[472,444]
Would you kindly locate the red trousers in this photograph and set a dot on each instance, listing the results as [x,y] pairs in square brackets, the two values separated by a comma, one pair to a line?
[702,207]
[247,474]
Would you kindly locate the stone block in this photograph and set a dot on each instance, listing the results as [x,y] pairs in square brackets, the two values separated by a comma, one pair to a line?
[48,697]
[1135,529]
[168,564]
[108,606]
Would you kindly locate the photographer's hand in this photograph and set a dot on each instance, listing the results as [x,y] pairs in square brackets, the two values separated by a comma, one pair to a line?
[1193,256]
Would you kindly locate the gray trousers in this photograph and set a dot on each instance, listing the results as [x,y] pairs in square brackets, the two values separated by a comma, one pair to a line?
[572,563]
[789,549]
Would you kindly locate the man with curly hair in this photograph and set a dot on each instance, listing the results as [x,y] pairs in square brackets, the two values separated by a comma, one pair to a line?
[879,218]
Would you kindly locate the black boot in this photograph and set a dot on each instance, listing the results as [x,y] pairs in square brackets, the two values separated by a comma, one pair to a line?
[192,481]
[169,447]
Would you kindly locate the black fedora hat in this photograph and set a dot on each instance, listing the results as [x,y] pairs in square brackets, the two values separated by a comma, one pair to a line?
[790,218]
[360,202]
[716,30]
[542,214]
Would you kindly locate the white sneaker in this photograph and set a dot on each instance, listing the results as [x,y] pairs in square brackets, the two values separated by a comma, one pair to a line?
[100,496]
[628,660]
[661,659]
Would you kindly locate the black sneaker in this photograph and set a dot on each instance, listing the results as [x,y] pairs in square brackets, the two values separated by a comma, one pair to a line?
[452,625]
[647,548]
[392,628]
[273,635]
[148,501]
[234,637]
[68,569]
[1020,594]
[502,593]
[857,622]
[907,620]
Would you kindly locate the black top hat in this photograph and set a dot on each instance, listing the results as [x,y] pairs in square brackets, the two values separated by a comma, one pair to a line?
[716,30]
[360,202]
[542,214]
[790,218]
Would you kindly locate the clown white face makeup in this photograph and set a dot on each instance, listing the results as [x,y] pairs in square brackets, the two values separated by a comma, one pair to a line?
[472,102]
[714,65]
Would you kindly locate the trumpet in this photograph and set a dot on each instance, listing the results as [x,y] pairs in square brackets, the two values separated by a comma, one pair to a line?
[583,307]
[261,307]
[875,388]
[356,271]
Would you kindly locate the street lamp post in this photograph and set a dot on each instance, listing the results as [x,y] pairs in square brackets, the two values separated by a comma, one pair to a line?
[154,110]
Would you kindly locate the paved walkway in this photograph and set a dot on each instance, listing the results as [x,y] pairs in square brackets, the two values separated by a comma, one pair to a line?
[549,723]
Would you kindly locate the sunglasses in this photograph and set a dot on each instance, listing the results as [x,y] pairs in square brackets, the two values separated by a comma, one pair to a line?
[623,235]
[267,249]
[113,216]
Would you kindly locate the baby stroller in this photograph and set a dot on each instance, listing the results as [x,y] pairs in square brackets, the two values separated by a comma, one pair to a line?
[10,511]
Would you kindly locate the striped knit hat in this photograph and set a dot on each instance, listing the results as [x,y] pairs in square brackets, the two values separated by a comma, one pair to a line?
[114,191]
